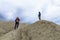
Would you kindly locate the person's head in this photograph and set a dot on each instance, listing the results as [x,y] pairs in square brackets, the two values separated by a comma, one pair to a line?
[17,17]
[39,12]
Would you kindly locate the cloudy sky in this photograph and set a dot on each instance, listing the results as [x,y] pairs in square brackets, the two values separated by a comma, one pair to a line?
[27,10]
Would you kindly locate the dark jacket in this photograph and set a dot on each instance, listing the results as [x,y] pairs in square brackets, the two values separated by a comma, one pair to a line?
[39,14]
[17,20]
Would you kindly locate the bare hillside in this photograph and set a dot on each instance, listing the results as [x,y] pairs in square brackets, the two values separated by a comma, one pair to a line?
[6,27]
[41,30]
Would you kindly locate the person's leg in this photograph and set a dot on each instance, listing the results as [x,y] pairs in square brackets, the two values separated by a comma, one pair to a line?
[15,26]
[39,18]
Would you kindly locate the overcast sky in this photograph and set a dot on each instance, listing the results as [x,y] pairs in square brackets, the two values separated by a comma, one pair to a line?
[27,10]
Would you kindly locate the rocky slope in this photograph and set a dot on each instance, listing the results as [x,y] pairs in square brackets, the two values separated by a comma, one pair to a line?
[41,30]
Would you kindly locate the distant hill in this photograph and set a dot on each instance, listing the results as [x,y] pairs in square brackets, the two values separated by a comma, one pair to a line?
[40,30]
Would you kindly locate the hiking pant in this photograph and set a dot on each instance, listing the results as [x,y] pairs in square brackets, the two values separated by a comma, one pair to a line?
[39,17]
[16,26]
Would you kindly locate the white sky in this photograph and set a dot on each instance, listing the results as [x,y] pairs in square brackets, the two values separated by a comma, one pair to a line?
[28,10]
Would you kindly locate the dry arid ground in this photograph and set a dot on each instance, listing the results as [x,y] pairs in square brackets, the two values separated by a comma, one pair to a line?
[40,30]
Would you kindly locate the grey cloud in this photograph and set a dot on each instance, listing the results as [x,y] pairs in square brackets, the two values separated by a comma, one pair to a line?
[2,17]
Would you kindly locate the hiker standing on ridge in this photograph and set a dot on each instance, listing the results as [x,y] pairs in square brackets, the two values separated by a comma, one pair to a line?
[16,22]
[39,16]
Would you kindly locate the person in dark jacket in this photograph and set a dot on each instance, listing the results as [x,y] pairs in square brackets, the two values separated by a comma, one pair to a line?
[39,16]
[16,22]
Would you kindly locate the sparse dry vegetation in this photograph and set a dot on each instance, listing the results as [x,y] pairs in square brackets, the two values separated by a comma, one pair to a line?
[41,30]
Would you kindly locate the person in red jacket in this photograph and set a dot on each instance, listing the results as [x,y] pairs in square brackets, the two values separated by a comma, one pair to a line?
[16,22]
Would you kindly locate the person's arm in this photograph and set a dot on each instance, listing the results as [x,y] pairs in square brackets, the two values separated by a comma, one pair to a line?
[19,19]
[15,20]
